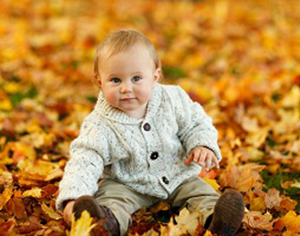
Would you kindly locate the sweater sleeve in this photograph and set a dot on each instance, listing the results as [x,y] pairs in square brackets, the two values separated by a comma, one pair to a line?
[89,154]
[195,127]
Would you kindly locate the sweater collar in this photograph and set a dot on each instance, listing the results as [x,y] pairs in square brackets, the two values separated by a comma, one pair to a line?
[113,114]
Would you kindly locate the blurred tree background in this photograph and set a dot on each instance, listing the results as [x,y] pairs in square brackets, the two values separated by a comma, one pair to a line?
[239,59]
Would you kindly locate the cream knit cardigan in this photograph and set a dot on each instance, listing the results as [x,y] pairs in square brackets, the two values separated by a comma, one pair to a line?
[145,154]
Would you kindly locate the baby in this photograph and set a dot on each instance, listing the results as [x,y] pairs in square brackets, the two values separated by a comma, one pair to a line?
[144,142]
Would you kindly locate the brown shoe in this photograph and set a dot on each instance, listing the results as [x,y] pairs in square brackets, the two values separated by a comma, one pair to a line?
[228,213]
[98,212]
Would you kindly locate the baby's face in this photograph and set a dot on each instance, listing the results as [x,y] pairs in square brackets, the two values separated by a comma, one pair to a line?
[127,80]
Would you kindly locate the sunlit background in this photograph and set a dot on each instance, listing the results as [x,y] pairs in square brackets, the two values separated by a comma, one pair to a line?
[239,59]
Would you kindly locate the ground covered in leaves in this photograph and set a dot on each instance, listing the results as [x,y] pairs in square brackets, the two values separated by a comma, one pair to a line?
[239,59]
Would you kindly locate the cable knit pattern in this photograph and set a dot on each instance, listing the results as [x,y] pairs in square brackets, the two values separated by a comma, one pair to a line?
[118,146]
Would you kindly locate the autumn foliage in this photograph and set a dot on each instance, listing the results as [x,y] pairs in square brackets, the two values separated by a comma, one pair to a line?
[239,59]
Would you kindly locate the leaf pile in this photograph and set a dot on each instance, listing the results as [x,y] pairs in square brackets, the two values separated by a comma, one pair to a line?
[240,60]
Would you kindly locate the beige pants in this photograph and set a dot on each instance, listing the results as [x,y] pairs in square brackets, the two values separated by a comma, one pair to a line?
[195,194]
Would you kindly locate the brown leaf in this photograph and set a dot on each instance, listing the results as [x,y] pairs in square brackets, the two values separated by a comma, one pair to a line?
[272,198]
[49,190]
[257,220]
[28,227]
[8,128]
[16,207]
[6,227]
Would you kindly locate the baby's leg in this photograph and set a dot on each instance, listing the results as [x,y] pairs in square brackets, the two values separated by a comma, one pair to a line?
[122,201]
[227,210]
[195,194]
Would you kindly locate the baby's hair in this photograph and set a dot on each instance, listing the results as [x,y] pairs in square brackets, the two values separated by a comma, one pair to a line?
[120,41]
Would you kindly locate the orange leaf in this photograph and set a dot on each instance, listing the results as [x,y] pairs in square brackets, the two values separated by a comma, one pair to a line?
[291,221]
[287,203]
[241,178]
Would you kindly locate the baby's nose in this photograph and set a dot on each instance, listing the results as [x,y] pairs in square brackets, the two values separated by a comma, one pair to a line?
[125,88]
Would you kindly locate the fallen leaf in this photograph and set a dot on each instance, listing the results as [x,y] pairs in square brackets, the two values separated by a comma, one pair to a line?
[241,178]
[272,198]
[257,220]
[287,204]
[7,227]
[34,192]
[16,207]
[291,221]
[212,182]
[50,212]
[187,222]
[295,185]
[5,197]
[82,226]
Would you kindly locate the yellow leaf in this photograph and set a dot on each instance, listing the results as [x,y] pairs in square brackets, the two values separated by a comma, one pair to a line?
[211,182]
[82,226]
[296,185]
[5,196]
[6,178]
[50,212]
[55,173]
[257,138]
[5,105]
[26,149]
[34,192]
[33,126]
[286,184]
[257,203]
[188,222]
[253,153]
[12,87]
[208,233]
[292,98]
[250,124]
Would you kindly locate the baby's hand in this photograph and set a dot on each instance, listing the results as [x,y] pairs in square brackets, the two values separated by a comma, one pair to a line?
[201,154]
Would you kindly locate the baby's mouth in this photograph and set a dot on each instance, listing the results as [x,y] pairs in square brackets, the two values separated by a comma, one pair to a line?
[127,99]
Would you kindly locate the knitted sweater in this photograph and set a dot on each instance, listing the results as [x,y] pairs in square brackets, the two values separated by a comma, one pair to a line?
[145,154]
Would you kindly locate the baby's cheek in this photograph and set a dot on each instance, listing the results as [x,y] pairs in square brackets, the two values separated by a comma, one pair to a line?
[111,98]
[145,94]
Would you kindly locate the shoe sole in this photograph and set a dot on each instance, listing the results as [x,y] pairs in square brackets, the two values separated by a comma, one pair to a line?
[90,205]
[228,213]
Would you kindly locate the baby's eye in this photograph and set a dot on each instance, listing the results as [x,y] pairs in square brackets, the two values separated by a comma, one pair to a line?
[136,78]
[115,80]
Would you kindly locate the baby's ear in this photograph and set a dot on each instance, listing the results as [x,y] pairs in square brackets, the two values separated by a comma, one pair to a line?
[157,74]
[97,79]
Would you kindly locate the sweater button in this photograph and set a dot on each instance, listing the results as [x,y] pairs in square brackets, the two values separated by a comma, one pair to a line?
[147,127]
[166,181]
[154,155]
